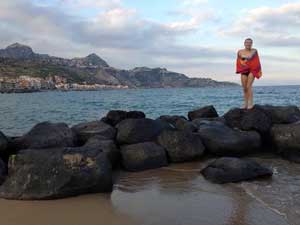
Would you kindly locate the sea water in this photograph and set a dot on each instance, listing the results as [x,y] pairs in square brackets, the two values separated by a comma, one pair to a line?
[20,111]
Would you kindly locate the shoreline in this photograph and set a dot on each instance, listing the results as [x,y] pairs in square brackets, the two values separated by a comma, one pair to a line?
[101,89]
[139,88]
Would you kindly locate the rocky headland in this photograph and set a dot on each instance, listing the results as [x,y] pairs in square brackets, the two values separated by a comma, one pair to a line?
[23,70]
[53,160]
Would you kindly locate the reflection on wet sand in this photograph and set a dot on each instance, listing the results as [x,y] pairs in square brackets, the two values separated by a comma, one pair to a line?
[174,195]
[179,195]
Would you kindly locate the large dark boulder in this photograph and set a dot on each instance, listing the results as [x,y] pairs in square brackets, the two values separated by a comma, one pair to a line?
[186,125]
[204,112]
[254,119]
[135,115]
[13,145]
[172,119]
[131,131]
[286,140]
[56,173]
[228,169]
[113,117]
[86,130]
[222,140]
[142,156]
[197,122]
[165,125]
[3,171]
[181,146]
[178,122]
[234,116]
[109,147]
[48,135]
[3,143]
[281,114]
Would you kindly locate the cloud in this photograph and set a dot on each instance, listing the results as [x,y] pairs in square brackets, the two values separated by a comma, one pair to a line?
[114,27]
[93,3]
[125,38]
[194,12]
[270,26]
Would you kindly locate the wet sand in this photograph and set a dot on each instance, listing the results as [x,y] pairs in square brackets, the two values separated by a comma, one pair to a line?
[174,195]
[93,209]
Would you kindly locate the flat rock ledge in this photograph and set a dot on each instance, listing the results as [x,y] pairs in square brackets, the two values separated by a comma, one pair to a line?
[53,160]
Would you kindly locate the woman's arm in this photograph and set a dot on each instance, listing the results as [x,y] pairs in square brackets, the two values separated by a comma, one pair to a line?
[253,53]
[239,53]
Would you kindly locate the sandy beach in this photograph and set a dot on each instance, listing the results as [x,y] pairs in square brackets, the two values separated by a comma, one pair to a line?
[174,195]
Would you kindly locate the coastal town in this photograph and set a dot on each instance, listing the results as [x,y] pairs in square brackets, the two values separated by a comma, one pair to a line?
[33,84]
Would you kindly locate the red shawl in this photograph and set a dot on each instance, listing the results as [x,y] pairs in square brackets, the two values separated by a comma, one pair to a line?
[251,65]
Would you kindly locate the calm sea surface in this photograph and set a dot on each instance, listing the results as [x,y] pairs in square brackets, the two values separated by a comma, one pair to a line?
[19,112]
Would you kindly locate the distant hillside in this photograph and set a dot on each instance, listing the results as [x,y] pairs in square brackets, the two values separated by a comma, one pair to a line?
[19,60]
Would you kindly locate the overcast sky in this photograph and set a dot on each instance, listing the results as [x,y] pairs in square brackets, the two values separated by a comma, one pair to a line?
[197,37]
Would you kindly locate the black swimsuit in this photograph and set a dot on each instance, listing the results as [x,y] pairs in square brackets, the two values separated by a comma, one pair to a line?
[245,57]
[245,73]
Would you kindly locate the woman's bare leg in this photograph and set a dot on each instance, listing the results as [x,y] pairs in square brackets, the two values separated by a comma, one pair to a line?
[244,80]
[250,81]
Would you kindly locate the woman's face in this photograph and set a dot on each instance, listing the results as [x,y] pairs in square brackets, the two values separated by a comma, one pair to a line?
[248,44]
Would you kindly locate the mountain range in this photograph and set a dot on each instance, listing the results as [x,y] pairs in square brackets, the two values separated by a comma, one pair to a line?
[20,60]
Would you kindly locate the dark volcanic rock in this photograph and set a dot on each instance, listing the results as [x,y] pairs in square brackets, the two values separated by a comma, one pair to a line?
[197,122]
[166,125]
[131,131]
[48,135]
[2,171]
[207,111]
[186,125]
[234,116]
[113,117]
[222,140]
[10,145]
[135,115]
[3,143]
[86,130]
[56,173]
[142,156]
[109,147]
[181,146]
[178,122]
[228,169]
[13,145]
[171,119]
[254,119]
[281,114]
[286,139]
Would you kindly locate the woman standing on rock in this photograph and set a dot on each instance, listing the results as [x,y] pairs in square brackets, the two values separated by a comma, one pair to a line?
[248,65]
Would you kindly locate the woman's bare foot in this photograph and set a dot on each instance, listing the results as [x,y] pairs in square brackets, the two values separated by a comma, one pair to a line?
[244,107]
[250,107]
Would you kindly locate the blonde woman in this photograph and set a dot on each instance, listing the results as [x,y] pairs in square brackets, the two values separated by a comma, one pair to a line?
[248,65]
